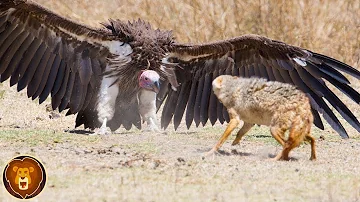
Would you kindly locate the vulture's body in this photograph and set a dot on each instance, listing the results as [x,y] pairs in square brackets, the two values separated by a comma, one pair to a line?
[96,72]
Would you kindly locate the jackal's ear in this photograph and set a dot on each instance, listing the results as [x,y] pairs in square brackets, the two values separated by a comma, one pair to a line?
[217,83]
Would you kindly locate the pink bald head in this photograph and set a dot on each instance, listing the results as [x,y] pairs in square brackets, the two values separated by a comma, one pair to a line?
[149,80]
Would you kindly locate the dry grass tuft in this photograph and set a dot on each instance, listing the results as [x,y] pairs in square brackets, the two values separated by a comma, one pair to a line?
[329,27]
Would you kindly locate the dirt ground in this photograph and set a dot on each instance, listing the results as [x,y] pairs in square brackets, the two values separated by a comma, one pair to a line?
[167,166]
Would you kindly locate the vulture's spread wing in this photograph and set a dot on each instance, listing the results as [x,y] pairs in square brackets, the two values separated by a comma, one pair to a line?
[250,55]
[50,54]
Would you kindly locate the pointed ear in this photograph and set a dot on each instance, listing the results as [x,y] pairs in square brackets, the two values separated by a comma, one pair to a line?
[217,83]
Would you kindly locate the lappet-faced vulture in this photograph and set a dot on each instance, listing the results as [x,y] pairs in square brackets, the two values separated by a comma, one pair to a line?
[110,76]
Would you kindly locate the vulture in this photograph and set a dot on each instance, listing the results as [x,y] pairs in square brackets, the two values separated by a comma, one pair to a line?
[122,73]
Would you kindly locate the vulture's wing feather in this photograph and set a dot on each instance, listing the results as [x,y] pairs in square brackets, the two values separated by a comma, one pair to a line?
[253,55]
[51,55]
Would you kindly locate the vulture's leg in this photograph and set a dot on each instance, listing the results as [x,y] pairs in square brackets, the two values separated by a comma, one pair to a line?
[147,109]
[106,105]
[103,130]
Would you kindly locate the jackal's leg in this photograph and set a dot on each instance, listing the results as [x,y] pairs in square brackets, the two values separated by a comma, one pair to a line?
[312,142]
[296,136]
[245,128]
[278,134]
[234,122]
[290,144]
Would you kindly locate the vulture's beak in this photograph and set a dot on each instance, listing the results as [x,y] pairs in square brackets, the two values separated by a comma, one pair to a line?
[156,86]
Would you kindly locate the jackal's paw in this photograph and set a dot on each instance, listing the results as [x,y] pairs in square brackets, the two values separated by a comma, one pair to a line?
[234,143]
[279,159]
[208,154]
[102,131]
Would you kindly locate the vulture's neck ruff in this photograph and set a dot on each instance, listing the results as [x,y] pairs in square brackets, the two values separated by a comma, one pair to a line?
[148,47]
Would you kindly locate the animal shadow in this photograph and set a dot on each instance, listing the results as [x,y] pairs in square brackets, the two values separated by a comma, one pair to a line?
[220,152]
[233,152]
[290,158]
[80,132]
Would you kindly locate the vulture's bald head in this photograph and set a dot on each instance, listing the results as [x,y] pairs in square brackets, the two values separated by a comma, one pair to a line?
[150,80]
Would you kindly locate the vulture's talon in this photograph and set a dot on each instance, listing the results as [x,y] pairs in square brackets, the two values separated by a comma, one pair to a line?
[152,129]
[102,131]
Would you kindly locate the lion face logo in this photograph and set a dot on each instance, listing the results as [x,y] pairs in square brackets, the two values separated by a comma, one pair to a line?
[24,177]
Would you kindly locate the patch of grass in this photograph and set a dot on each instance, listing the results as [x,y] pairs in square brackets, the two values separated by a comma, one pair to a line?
[145,147]
[42,137]
[2,92]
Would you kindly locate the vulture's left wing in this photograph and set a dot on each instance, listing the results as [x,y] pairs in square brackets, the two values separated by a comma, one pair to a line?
[197,65]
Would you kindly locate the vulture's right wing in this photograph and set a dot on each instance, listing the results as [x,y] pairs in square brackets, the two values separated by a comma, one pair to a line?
[50,54]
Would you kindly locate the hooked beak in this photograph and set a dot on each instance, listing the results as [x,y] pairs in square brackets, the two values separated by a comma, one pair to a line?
[156,87]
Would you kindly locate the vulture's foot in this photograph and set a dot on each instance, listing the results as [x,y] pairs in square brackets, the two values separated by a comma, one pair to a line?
[151,125]
[152,128]
[102,131]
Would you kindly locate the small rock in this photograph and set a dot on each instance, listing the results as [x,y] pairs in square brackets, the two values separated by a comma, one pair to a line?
[38,118]
[101,151]
[48,108]
[54,115]
[87,151]
[155,164]
[181,160]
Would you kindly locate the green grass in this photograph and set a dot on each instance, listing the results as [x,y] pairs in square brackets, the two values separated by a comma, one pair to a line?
[42,137]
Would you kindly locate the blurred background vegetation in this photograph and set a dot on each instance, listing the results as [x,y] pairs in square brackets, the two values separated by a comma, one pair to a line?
[331,27]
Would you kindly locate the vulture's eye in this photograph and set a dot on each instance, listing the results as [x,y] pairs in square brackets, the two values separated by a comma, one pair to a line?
[146,79]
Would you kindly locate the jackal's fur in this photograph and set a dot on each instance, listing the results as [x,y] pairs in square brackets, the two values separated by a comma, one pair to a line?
[280,106]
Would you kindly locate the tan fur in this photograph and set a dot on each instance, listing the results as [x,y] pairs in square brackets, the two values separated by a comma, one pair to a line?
[280,106]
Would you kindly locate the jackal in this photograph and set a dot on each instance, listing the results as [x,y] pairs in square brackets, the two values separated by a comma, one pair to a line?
[278,105]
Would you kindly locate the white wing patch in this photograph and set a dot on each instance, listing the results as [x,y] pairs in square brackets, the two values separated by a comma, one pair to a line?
[115,47]
[300,61]
[118,47]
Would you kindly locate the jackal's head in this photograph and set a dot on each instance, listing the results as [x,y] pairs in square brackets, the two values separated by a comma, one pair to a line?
[223,86]
[217,85]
